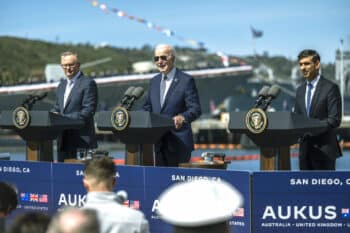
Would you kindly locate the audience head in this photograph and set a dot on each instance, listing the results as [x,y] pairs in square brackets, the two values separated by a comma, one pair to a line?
[30,222]
[74,220]
[8,199]
[99,174]
[199,206]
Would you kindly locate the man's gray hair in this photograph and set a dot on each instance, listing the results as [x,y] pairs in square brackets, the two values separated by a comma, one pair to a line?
[171,48]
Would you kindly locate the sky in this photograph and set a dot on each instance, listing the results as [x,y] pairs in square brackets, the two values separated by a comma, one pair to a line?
[223,25]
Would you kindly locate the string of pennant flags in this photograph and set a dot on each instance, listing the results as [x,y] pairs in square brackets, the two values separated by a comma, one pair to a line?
[166,31]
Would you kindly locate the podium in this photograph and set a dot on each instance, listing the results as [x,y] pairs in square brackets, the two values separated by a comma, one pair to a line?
[283,129]
[43,127]
[144,130]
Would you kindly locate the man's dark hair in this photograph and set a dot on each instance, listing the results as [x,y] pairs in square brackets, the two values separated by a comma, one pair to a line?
[8,198]
[30,222]
[309,52]
[102,169]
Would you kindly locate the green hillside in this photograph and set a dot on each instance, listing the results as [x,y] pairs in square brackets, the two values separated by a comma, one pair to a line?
[24,60]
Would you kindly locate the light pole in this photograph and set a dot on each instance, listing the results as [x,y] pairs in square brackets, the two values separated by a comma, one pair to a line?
[342,88]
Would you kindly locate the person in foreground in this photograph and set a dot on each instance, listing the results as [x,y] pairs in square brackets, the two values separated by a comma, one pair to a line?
[74,220]
[30,222]
[8,199]
[318,98]
[76,98]
[199,206]
[173,93]
[99,181]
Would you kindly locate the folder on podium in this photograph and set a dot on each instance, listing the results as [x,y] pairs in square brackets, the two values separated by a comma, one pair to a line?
[283,129]
[145,129]
[41,128]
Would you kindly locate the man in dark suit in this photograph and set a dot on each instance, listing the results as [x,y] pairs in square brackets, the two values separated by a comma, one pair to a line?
[318,98]
[76,98]
[173,93]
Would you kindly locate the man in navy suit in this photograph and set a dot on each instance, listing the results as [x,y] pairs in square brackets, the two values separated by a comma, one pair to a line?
[76,98]
[318,98]
[173,93]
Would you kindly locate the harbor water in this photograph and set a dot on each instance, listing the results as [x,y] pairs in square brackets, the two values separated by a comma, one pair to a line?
[239,159]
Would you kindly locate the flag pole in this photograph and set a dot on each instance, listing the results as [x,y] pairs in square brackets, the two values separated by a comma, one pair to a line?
[254,48]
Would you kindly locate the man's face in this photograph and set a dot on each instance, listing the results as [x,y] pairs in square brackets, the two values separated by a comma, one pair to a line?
[308,68]
[163,59]
[70,65]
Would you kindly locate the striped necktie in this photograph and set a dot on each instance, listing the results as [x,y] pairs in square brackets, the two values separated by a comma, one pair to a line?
[162,90]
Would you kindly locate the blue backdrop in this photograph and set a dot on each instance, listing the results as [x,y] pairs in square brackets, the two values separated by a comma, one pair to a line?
[273,201]
[312,202]
[49,186]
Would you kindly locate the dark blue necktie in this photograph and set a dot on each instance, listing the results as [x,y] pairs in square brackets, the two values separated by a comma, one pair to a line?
[308,98]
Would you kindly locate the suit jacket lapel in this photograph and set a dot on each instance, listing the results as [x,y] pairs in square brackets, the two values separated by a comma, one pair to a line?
[171,89]
[60,94]
[303,98]
[75,86]
[156,94]
[316,96]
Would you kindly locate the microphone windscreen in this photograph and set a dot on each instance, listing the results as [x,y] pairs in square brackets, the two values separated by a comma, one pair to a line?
[138,92]
[264,91]
[274,91]
[122,196]
[129,91]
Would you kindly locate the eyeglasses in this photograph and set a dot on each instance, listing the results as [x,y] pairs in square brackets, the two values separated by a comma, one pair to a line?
[162,58]
[66,66]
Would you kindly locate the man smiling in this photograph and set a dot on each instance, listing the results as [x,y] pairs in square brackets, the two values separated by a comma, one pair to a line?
[173,93]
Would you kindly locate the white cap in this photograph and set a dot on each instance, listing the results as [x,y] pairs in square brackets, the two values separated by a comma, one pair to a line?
[198,203]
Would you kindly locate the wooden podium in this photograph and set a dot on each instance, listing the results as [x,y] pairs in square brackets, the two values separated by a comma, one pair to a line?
[42,129]
[283,130]
[144,130]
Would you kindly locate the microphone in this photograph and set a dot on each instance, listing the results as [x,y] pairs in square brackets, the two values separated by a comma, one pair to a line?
[40,97]
[127,95]
[121,196]
[261,96]
[136,93]
[273,92]
[31,99]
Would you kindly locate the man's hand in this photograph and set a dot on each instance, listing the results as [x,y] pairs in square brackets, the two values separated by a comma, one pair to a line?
[178,121]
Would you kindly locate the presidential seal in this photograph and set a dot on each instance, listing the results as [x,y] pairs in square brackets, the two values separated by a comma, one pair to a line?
[21,117]
[120,118]
[256,120]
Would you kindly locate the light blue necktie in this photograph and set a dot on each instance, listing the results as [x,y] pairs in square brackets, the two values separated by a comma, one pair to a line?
[162,90]
[67,91]
[308,98]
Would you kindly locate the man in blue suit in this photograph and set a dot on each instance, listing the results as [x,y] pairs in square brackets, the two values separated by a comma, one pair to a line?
[76,98]
[318,98]
[173,93]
